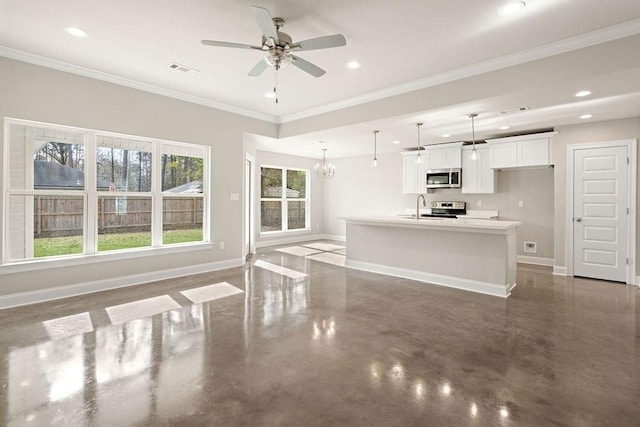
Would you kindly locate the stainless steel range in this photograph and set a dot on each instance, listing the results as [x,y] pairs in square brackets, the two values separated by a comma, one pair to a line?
[447,209]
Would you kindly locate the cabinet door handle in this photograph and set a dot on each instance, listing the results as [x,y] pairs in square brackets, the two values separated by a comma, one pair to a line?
[578,219]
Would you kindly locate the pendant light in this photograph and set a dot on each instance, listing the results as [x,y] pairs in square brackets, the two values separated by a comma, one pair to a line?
[419,156]
[325,170]
[474,152]
[374,163]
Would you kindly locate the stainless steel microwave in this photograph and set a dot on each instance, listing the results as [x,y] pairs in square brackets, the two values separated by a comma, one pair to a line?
[444,178]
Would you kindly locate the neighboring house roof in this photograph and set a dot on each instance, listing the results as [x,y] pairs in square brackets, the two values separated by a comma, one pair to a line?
[189,187]
[277,192]
[52,175]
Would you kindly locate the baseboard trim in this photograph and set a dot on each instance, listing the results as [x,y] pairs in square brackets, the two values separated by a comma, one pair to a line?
[559,270]
[535,260]
[638,281]
[43,295]
[434,279]
[299,239]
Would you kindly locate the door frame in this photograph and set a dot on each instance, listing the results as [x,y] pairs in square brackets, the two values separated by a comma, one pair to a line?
[248,202]
[631,201]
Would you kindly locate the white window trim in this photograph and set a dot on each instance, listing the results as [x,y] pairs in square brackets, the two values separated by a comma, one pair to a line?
[90,195]
[284,203]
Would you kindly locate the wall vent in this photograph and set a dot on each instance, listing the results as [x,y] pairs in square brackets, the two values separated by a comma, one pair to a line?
[514,110]
[183,68]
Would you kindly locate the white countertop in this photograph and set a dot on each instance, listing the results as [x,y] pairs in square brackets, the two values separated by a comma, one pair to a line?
[451,224]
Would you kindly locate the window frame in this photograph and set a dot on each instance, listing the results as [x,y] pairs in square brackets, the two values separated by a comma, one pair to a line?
[90,195]
[284,201]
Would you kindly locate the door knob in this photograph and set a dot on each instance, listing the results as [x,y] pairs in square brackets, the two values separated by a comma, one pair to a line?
[578,219]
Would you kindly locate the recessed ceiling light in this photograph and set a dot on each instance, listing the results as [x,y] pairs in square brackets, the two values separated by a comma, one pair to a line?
[586,116]
[76,32]
[395,142]
[445,135]
[511,8]
[270,95]
[582,93]
[353,65]
[505,127]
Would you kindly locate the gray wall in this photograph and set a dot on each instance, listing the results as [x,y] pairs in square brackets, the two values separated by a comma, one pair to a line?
[358,189]
[36,93]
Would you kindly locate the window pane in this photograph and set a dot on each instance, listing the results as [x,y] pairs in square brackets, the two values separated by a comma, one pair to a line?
[181,219]
[42,226]
[296,215]
[123,222]
[271,214]
[296,184]
[58,166]
[271,183]
[128,170]
[181,174]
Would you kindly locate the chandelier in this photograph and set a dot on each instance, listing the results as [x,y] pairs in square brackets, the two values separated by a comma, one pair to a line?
[325,170]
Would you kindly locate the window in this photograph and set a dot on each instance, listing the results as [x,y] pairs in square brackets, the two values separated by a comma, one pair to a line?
[75,191]
[283,201]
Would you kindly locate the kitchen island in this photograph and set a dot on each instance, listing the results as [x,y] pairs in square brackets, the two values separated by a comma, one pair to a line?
[472,254]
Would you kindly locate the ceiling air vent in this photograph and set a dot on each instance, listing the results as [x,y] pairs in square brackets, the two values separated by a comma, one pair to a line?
[513,110]
[183,68]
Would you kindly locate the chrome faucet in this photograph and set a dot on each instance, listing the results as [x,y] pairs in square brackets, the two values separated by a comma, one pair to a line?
[424,203]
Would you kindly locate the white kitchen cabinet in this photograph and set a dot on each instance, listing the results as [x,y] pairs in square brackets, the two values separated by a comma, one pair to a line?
[414,175]
[521,151]
[477,175]
[445,156]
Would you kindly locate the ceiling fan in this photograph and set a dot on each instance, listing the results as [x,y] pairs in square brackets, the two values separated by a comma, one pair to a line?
[279,47]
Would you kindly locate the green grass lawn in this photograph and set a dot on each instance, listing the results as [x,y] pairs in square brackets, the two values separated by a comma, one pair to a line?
[52,246]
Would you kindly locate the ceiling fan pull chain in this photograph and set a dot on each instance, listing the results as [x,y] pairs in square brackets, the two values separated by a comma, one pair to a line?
[275,84]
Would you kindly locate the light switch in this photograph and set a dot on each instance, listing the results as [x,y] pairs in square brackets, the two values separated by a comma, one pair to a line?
[235,196]
[521,204]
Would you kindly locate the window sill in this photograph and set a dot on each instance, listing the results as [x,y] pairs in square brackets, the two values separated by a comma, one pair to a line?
[68,261]
[284,233]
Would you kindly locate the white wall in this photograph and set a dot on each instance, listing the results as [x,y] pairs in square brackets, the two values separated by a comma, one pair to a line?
[40,94]
[316,200]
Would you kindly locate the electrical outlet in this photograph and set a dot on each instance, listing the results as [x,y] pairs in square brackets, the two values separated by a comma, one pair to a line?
[479,204]
[530,247]
[521,204]
[221,245]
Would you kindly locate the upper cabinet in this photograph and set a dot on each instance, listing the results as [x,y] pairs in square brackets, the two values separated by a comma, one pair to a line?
[477,175]
[521,151]
[444,156]
[414,175]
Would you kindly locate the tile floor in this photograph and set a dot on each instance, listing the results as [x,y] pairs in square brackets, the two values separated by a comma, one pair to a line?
[330,346]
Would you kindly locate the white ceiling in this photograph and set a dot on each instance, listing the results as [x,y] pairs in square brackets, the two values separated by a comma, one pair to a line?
[399,44]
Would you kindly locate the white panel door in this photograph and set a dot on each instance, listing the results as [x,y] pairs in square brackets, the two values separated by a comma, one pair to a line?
[600,213]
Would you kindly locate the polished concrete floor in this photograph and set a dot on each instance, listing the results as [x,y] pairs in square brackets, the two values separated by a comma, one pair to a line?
[305,342]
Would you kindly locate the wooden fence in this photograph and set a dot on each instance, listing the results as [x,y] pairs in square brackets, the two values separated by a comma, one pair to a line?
[63,215]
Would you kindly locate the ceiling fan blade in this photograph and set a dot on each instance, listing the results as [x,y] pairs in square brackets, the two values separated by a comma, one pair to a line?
[324,42]
[307,66]
[258,68]
[229,44]
[265,22]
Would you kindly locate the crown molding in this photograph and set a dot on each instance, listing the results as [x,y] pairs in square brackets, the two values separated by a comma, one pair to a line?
[614,32]
[134,84]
